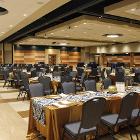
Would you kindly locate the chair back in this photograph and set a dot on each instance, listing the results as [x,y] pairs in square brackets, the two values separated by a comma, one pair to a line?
[106,83]
[25,80]
[36,90]
[33,73]
[66,79]
[94,72]
[90,85]
[69,87]
[79,71]
[46,82]
[127,105]
[90,114]
[73,74]
[120,75]
[102,73]
[56,73]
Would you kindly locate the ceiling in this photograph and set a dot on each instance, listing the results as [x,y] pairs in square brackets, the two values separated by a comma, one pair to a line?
[85,31]
[23,12]
[125,8]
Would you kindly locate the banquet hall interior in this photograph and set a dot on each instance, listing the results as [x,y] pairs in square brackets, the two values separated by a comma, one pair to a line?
[69,69]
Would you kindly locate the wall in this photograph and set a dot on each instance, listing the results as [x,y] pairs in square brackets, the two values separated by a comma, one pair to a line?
[70,55]
[29,54]
[113,53]
[34,54]
[1,53]
[8,53]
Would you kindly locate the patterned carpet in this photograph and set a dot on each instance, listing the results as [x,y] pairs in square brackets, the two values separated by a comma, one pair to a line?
[14,117]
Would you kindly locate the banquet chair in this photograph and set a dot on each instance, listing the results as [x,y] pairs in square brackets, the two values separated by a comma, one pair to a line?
[7,79]
[34,72]
[24,86]
[90,85]
[106,83]
[73,74]
[134,117]
[120,75]
[108,72]
[36,90]
[124,115]
[46,82]
[56,73]
[68,87]
[90,119]
[66,79]
[102,73]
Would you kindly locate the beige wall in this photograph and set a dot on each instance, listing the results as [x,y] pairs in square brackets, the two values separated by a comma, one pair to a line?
[121,48]
[8,52]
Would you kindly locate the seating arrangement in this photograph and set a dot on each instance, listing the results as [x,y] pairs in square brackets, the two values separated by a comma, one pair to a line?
[36,90]
[90,119]
[69,87]
[123,117]
[90,85]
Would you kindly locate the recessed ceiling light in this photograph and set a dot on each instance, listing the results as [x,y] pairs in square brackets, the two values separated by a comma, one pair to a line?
[51,33]
[63,44]
[40,2]
[84,32]
[133,9]
[10,25]
[25,15]
[126,53]
[3,32]
[84,23]
[75,26]
[112,35]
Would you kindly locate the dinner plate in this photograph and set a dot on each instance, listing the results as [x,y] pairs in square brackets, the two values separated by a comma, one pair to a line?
[53,97]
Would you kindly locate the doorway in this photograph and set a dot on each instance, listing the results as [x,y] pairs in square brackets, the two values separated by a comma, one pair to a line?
[52,59]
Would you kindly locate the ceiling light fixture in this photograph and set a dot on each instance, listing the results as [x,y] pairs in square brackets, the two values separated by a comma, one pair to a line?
[112,35]
[11,26]
[63,44]
[75,26]
[85,23]
[51,33]
[25,15]
[133,9]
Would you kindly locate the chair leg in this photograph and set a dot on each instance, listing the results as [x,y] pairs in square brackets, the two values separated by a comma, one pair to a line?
[4,84]
[129,129]
[63,134]
[111,131]
[97,136]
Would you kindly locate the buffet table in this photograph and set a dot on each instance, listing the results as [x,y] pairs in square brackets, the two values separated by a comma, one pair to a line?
[49,114]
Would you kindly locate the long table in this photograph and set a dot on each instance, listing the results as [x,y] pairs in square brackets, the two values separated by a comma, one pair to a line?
[56,117]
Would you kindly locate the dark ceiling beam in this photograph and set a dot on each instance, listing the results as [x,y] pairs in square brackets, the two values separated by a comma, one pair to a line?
[67,9]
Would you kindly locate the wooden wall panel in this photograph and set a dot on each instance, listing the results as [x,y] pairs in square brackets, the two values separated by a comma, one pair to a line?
[1,57]
[70,57]
[29,56]
[34,54]
[111,59]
